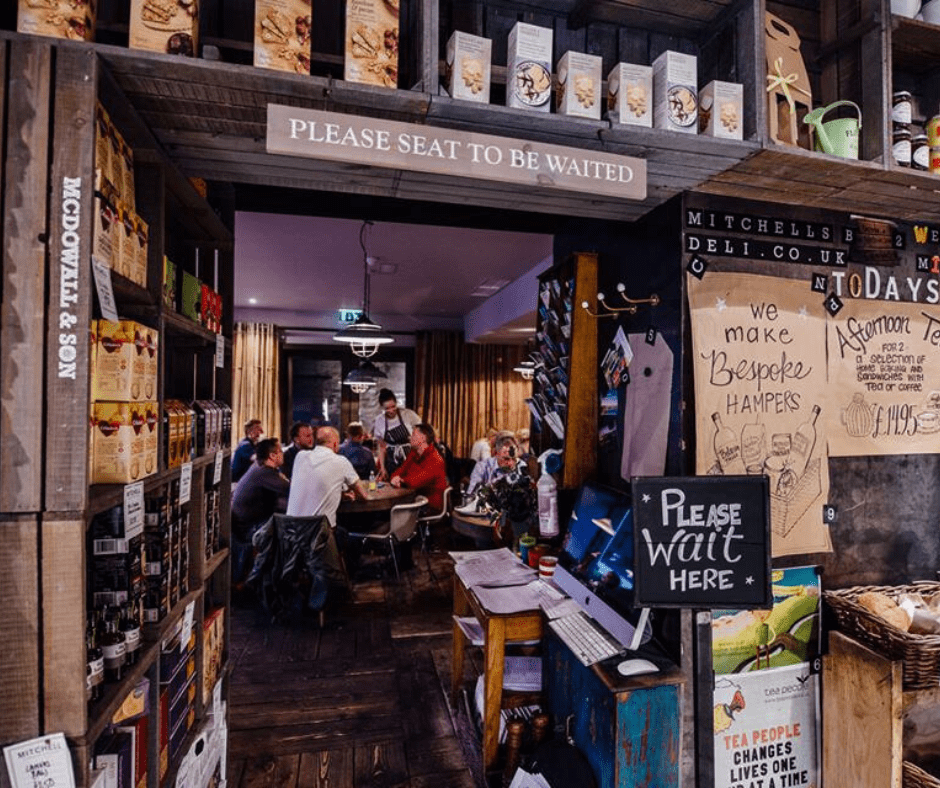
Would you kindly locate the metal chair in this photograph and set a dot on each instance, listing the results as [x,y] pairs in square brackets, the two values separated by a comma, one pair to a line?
[424,523]
[401,528]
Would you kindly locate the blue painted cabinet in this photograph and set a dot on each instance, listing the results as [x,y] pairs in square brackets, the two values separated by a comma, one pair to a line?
[629,729]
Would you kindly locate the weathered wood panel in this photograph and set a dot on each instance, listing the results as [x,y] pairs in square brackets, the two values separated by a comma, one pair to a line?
[19,630]
[22,317]
[63,625]
[581,424]
[70,291]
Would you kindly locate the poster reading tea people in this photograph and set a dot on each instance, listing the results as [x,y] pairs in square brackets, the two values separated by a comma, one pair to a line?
[884,378]
[759,365]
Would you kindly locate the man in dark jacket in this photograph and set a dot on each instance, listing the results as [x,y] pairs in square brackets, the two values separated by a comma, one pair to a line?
[301,436]
[245,451]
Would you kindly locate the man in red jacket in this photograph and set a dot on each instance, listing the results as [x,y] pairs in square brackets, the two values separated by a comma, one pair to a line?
[423,469]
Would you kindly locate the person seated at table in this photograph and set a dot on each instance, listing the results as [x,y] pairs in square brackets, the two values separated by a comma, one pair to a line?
[362,459]
[483,447]
[244,453]
[301,437]
[522,441]
[423,469]
[261,492]
[392,428]
[504,461]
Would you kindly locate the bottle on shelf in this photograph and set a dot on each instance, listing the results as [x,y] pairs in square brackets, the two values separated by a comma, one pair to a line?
[130,628]
[804,441]
[113,647]
[94,675]
[727,448]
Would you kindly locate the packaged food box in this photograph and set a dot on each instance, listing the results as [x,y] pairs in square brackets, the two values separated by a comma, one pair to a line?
[169,284]
[123,369]
[74,19]
[675,92]
[142,230]
[207,308]
[116,163]
[212,653]
[468,67]
[371,51]
[126,257]
[282,35]
[721,110]
[151,436]
[579,85]
[128,192]
[113,458]
[529,67]
[105,236]
[630,94]
[167,26]
[190,296]
[102,144]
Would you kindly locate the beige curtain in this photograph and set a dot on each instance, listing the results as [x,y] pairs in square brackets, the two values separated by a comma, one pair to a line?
[256,377]
[462,390]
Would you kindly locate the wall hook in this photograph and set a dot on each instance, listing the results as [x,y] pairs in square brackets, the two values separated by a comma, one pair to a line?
[631,308]
[653,300]
[587,308]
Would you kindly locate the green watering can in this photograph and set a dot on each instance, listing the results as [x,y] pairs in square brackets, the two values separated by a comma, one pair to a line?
[840,136]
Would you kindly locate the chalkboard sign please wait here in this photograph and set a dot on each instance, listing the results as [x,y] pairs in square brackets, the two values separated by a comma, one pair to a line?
[702,541]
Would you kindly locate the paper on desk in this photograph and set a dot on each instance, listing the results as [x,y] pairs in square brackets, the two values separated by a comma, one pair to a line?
[522,779]
[507,599]
[501,568]
[476,556]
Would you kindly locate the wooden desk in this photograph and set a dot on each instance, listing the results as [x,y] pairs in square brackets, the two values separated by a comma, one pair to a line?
[498,629]
[380,500]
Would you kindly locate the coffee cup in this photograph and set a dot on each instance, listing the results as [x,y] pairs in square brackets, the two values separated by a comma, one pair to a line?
[547,565]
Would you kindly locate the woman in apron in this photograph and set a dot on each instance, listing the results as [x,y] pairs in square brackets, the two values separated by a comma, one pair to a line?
[393,428]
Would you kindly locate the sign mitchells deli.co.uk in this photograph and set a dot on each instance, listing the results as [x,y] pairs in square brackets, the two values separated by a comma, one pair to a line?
[408,146]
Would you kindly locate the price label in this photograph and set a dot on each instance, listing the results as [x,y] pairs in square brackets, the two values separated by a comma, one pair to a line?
[219,351]
[217,470]
[102,272]
[133,509]
[186,482]
[44,761]
[187,629]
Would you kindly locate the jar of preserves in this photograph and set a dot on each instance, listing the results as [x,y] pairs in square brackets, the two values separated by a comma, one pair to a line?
[935,161]
[933,131]
[920,152]
[901,109]
[901,146]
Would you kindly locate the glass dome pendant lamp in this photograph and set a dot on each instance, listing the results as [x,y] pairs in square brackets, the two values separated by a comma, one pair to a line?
[364,336]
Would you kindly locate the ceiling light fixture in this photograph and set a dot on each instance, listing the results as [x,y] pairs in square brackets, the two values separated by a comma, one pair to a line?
[364,336]
[363,377]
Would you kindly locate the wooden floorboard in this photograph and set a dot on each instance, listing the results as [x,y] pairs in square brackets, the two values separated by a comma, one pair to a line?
[362,702]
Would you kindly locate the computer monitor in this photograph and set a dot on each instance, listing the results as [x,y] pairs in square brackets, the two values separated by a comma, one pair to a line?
[596,565]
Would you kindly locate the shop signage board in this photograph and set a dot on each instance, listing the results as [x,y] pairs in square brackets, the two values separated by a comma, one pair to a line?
[365,141]
[702,541]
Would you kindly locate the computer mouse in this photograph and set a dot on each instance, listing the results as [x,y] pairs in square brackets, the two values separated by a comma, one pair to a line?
[634,667]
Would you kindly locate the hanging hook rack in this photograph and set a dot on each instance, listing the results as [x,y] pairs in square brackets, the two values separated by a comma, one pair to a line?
[631,307]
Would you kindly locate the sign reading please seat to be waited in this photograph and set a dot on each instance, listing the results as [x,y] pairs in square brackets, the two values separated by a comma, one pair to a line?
[353,139]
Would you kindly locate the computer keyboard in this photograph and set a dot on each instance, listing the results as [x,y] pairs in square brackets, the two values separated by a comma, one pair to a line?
[587,641]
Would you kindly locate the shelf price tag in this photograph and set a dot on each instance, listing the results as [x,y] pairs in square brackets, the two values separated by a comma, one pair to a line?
[219,351]
[44,761]
[186,482]
[187,629]
[217,470]
[105,291]
[133,509]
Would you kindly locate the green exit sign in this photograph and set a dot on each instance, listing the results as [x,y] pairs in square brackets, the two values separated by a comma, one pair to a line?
[349,315]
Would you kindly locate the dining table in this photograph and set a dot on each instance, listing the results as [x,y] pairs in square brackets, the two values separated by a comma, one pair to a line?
[381,499]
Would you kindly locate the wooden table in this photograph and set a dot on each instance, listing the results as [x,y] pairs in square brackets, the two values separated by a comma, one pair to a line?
[380,500]
[478,527]
[498,629]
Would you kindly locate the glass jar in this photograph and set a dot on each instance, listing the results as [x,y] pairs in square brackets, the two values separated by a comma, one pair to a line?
[935,160]
[901,146]
[901,109]
[920,152]
[933,131]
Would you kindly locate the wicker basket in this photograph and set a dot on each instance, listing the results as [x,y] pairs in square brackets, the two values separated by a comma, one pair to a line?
[919,653]
[915,777]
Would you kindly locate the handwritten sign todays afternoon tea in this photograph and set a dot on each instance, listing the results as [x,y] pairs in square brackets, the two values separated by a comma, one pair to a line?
[357,140]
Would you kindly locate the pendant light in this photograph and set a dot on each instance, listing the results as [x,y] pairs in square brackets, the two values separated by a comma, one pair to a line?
[364,336]
[363,377]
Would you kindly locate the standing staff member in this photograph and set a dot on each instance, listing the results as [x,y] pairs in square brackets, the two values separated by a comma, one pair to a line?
[392,428]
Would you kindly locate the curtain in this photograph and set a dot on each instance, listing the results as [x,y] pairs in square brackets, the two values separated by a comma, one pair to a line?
[462,389]
[255,378]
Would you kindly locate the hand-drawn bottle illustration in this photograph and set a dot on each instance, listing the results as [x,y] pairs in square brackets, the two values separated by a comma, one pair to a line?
[754,448]
[727,448]
[857,417]
[804,441]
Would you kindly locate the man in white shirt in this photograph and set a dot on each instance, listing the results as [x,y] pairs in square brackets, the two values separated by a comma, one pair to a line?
[483,448]
[320,479]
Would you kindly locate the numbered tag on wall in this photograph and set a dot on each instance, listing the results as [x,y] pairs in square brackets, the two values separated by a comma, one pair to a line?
[133,509]
[186,482]
[102,272]
[219,351]
[217,470]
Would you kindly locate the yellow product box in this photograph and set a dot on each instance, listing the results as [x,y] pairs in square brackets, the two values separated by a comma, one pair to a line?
[74,19]
[128,189]
[144,421]
[114,460]
[188,432]
[167,26]
[468,67]
[630,94]
[529,67]
[126,250]
[282,35]
[102,139]
[579,91]
[371,51]
[173,433]
[122,372]
[212,652]
[721,110]
[675,92]
[105,237]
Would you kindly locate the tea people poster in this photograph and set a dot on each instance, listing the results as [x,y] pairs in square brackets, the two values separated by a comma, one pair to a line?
[759,364]
[884,379]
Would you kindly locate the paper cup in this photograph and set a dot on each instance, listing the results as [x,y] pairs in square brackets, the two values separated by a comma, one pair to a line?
[547,566]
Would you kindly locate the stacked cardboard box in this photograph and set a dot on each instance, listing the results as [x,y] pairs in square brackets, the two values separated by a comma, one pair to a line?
[74,19]
[213,643]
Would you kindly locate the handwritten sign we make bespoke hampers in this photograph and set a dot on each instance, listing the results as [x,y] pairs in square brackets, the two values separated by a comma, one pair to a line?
[702,541]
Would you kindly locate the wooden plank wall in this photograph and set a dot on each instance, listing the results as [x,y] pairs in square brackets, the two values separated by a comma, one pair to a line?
[22,318]
[70,290]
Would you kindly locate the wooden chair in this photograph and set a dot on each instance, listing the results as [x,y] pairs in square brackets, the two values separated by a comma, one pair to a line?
[424,523]
[401,528]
